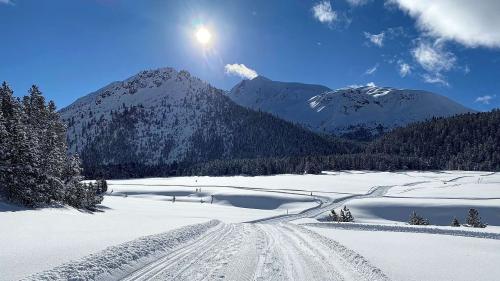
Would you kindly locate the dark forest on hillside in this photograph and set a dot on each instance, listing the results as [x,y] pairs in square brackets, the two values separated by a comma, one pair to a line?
[465,142]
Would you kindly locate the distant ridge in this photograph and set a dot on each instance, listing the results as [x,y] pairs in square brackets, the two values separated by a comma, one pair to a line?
[343,111]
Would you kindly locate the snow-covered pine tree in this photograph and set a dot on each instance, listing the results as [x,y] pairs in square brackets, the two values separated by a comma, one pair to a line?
[103,186]
[24,174]
[7,101]
[54,144]
[348,215]
[415,219]
[473,219]
[342,217]
[455,222]
[35,169]
[6,111]
[334,216]
[71,176]
[4,154]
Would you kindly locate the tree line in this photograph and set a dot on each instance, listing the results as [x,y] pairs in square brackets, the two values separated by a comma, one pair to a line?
[35,169]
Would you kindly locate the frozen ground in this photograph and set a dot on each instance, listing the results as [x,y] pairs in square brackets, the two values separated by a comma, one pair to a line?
[140,234]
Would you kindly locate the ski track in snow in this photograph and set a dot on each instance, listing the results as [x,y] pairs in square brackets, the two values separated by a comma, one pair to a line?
[260,252]
[265,249]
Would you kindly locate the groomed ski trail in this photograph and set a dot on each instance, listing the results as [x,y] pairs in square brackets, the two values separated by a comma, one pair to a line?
[266,249]
[260,252]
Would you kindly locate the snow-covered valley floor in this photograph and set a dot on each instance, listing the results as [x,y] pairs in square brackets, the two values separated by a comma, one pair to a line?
[263,228]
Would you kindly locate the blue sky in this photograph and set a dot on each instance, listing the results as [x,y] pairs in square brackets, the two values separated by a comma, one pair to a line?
[71,48]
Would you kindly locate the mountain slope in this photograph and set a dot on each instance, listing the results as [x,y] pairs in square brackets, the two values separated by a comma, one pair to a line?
[465,142]
[162,117]
[344,110]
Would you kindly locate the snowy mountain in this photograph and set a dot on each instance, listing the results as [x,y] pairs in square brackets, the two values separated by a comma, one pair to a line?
[164,116]
[345,110]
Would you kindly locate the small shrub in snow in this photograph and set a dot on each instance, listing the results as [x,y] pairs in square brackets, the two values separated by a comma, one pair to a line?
[455,222]
[473,219]
[415,219]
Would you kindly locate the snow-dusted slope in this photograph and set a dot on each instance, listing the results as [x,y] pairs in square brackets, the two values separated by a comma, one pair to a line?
[163,91]
[286,100]
[161,116]
[344,110]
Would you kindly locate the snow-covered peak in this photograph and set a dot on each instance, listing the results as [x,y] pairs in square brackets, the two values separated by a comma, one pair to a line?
[144,88]
[338,111]
[159,92]
[261,78]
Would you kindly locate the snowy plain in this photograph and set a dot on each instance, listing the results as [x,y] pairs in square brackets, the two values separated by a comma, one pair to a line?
[380,201]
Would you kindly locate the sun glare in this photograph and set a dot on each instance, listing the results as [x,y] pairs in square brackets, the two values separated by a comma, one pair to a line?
[203,36]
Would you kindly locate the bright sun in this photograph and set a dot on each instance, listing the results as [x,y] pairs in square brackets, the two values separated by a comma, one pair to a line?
[203,36]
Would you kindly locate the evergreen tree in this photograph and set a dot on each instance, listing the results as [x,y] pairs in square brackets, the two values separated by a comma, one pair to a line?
[348,215]
[455,222]
[102,185]
[415,219]
[4,154]
[34,167]
[7,101]
[25,185]
[342,217]
[334,216]
[473,219]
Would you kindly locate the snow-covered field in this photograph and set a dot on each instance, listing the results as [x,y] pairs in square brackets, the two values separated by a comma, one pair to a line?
[140,234]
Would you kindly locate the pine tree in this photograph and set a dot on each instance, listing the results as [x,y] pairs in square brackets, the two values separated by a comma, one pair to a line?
[103,186]
[4,154]
[23,183]
[348,215]
[7,101]
[35,169]
[473,219]
[334,216]
[455,222]
[415,219]
[342,217]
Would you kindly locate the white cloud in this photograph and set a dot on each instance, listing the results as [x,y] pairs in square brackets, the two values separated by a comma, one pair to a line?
[436,78]
[370,84]
[376,39]
[357,2]
[7,2]
[404,68]
[371,70]
[471,23]
[433,57]
[324,13]
[485,99]
[240,70]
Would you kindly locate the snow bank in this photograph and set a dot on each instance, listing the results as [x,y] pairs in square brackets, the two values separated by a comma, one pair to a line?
[114,261]
[454,231]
